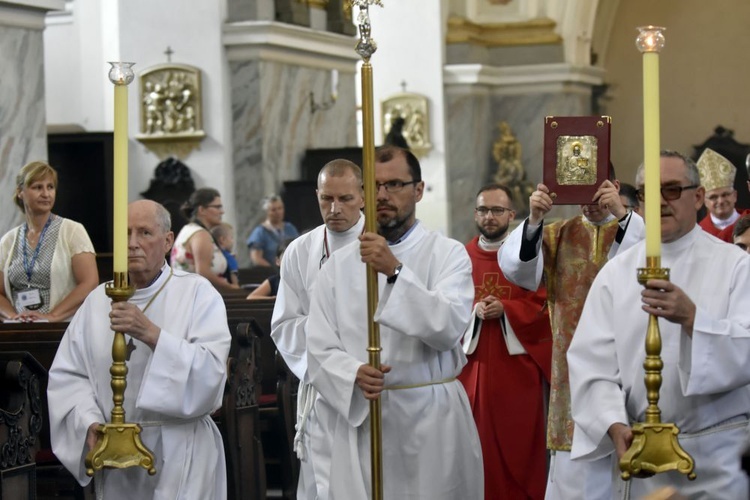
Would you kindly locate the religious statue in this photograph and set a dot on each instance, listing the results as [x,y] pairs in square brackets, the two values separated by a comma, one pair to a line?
[506,150]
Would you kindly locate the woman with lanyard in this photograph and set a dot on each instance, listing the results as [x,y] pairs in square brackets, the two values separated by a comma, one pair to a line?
[195,249]
[49,265]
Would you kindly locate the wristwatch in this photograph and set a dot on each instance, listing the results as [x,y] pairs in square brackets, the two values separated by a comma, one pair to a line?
[392,278]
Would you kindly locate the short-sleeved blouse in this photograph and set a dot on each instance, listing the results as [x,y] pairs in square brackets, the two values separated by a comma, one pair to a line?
[52,271]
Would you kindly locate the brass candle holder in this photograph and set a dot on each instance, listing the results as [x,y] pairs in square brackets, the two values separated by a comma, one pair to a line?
[655,446]
[119,444]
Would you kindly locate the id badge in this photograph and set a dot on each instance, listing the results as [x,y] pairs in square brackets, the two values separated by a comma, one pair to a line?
[30,298]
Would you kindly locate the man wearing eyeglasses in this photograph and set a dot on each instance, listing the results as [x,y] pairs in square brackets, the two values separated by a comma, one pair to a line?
[569,254]
[509,350]
[704,319]
[430,445]
[340,199]
[717,178]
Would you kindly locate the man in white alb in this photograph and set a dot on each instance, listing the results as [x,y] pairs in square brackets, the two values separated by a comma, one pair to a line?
[704,320]
[340,200]
[430,444]
[176,328]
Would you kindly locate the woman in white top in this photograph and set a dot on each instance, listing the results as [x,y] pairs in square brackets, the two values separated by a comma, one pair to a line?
[194,248]
[48,262]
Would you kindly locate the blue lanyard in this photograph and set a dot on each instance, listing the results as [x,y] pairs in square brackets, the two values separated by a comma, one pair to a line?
[29,267]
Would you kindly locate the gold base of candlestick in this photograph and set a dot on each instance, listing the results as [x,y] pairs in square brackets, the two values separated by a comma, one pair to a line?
[655,449]
[655,446]
[118,444]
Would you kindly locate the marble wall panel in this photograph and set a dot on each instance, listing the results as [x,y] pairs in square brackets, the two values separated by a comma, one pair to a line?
[23,135]
[273,125]
[468,129]
[472,128]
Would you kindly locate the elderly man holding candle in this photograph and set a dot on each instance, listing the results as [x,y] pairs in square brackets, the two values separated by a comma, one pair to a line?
[704,319]
[568,253]
[178,342]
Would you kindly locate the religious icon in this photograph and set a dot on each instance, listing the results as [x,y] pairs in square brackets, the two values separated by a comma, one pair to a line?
[576,160]
[576,156]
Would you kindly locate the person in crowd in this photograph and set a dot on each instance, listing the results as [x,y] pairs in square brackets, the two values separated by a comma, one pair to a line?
[509,351]
[717,178]
[223,234]
[270,286]
[195,249]
[178,343]
[568,253]
[629,198]
[340,199]
[741,235]
[430,445]
[265,239]
[703,312]
[48,262]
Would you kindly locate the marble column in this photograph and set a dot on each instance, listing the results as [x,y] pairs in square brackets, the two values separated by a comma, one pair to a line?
[23,135]
[281,79]
[478,97]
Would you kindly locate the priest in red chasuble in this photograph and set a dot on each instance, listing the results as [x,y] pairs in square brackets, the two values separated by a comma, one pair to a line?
[509,348]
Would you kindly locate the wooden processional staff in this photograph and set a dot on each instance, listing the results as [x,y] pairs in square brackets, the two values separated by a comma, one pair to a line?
[655,447]
[366,47]
[119,443]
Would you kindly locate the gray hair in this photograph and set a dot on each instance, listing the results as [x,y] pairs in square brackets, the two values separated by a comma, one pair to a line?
[270,199]
[163,219]
[692,174]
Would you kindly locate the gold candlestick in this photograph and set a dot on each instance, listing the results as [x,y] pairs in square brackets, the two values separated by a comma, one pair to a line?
[655,446]
[366,47]
[119,443]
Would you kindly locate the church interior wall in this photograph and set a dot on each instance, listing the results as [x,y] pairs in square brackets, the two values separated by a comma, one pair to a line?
[272,127]
[140,31]
[411,50]
[249,156]
[702,71]
[472,163]
[22,105]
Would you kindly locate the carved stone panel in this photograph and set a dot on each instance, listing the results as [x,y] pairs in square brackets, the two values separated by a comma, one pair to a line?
[171,109]
[414,111]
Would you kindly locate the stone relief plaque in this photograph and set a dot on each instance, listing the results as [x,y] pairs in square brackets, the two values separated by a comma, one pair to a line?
[171,109]
[410,112]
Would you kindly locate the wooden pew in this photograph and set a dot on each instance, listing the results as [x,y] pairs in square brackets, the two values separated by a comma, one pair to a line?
[21,377]
[238,418]
[41,341]
[277,397]
[253,276]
